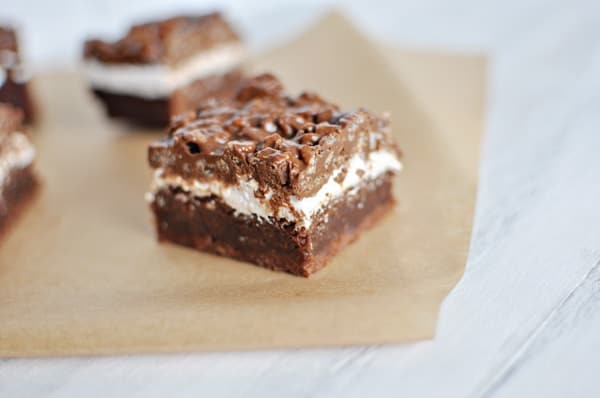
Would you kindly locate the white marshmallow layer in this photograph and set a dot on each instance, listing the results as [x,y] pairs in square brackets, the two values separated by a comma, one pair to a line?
[153,81]
[241,198]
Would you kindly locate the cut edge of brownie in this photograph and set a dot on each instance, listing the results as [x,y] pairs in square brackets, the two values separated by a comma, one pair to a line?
[207,224]
[16,194]
[18,181]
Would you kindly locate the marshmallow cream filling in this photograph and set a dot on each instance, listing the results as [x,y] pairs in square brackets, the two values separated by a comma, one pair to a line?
[241,198]
[17,153]
[158,80]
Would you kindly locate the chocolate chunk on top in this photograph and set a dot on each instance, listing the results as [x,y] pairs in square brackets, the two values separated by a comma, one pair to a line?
[169,41]
[290,144]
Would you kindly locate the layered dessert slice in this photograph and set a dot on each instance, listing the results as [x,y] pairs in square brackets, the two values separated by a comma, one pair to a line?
[14,79]
[279,181]
[164,68]
[17,179]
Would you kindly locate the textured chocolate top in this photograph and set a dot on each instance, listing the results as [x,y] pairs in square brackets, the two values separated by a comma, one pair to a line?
[169,41]
[190,96]
[290,144]
[11,119]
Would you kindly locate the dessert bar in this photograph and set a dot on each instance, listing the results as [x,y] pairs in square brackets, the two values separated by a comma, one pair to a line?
[14,80]
[160,69]
[17,180]
[276,180]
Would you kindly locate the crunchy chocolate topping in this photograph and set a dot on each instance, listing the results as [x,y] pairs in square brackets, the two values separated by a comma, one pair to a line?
[290,144]
[169,41]
[189,97]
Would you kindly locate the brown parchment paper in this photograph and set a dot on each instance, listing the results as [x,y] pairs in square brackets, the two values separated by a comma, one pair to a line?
[81,272]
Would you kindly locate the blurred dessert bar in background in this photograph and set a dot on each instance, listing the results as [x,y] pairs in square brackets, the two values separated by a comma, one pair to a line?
[281,181]
[14,79]
[163,68]
[17,179]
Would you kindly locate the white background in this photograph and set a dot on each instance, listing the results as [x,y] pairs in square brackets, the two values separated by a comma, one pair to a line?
[525,319]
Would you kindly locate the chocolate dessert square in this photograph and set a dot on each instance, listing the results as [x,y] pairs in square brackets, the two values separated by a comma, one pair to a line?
[14,79]
[279,181]
[164,68]
[17,180]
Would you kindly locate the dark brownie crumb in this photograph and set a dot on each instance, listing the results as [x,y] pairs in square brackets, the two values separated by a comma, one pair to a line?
[290,144]
[168,41]
[210,225]
[11,119]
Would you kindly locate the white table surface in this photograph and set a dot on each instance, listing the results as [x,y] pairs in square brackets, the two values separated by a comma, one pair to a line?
[524,320]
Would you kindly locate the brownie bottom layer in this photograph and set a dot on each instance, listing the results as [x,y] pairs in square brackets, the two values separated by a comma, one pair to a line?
[158,112]
[15,194]
[148,112]
[208,224]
